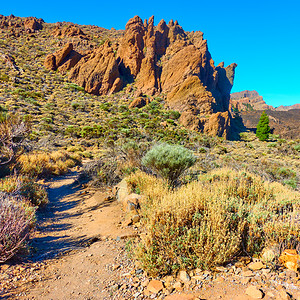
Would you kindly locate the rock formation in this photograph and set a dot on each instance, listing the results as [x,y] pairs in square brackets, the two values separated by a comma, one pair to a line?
[63,59]
[17,25]
[248,100]
[160,59]
[68,31]
[288,107]
[98,71]
[251,100]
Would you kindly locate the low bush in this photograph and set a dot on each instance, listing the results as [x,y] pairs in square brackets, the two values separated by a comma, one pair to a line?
[211,221]
[25,187]
[169,161]
[13,131]
[16,221]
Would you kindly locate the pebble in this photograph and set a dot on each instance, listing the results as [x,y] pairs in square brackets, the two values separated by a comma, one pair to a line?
[155,286]
[254,292]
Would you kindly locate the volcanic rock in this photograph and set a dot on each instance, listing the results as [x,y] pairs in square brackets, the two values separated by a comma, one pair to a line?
[98,71]
[63,59]
[32,24]
[248,100]
[139,102]
[158,59]
[68,31]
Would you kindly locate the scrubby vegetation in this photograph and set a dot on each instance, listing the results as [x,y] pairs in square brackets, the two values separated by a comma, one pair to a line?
[170,161]
[211,221]
[215,213]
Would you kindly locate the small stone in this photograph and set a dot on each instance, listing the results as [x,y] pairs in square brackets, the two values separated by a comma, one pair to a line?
[221,269]
[255,266]
[184,276]
[135,218]
[247,273]
[178,286]
[155,286]
[245,280]
[254,292]
[168,280]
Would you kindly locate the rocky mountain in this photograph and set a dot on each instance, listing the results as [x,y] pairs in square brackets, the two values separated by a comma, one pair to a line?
[248,100]
[156,60]
[251,100]
[288,107]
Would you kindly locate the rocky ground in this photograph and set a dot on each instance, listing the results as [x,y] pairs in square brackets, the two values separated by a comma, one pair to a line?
[79,252]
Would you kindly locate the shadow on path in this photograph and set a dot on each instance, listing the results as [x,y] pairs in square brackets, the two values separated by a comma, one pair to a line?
[53,236]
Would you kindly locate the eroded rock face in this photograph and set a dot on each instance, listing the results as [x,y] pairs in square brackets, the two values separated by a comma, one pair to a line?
[32,24]
[98,71]
[68,31]
[161,59]
[248,101]
[18,26]
[63,59]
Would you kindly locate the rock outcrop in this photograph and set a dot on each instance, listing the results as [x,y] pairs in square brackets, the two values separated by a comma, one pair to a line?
[248,101]
[160,59]
[68,31]
[63,59]
[251,100]
[18,26]
[98,71]
[32,24]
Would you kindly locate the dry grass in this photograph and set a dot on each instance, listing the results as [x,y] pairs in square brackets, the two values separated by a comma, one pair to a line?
[26,188]
[45,164]
[209,222]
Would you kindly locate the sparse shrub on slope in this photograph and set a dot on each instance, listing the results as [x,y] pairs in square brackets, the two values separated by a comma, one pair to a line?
[25,187]
[169,161]
[211,221]
[13,131]
[16,222]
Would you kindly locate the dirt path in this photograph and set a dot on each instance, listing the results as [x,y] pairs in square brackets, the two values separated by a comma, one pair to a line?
[78,252]
[78,245]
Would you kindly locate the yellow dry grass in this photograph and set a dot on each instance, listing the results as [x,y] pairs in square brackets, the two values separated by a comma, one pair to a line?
[44,164]
[209,222]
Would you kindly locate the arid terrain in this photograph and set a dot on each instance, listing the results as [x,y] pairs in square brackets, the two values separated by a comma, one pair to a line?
[128,172]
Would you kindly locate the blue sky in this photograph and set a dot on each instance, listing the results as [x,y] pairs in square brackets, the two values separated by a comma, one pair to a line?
[262,37]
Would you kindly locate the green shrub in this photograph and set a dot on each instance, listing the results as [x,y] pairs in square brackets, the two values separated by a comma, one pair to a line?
[170,161]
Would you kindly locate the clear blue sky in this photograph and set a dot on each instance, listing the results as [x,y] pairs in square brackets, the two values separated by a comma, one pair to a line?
[261,36]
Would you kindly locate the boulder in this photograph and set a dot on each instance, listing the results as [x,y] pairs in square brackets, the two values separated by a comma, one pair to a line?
[63,59]
[32,24]
[61,54]
[139,102]
[155,286]
[68,31]
[254,292]
[50,62]
[290,259]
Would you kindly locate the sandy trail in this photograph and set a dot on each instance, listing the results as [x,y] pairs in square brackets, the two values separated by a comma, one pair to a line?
[80,239]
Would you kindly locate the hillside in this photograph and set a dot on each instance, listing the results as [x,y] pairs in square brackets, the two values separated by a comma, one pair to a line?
[141,62]
[125,175]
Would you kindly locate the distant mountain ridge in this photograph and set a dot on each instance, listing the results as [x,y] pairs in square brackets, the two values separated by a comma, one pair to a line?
[251,100]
